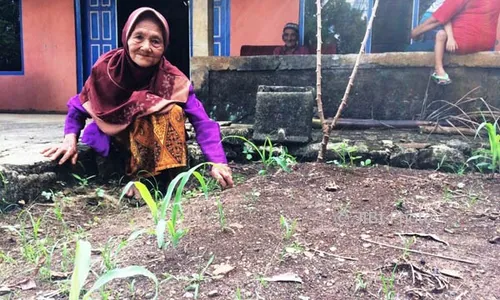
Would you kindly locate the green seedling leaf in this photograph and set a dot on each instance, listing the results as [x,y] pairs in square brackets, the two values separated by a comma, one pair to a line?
[122,273]
[160,232]
[81,269]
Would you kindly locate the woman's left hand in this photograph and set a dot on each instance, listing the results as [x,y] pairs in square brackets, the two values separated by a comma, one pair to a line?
[222,173]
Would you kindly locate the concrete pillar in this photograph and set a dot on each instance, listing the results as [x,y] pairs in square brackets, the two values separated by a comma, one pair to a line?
[203,39]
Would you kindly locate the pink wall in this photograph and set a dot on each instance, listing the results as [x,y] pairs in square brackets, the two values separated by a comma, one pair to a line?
[497,44]
[49,59]
[260,22]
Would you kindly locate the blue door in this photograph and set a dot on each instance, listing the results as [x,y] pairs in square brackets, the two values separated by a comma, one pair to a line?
[221,27]
[99,31]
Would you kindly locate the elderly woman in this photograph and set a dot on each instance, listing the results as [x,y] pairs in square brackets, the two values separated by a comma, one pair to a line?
[138,102]
[473,26]
[291,38]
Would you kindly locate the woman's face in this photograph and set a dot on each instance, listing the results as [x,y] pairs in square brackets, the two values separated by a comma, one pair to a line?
[290,38]
[145,44]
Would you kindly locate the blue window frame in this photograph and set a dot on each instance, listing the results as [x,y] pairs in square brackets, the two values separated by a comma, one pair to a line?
[11,38]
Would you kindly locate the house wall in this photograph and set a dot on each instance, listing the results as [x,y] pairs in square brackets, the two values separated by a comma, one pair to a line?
[257,22]
[49,78]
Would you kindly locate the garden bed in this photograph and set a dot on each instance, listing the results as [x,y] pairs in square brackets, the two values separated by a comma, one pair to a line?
[343,216]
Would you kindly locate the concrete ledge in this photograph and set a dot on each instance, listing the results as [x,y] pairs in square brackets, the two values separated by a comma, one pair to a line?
[388,85]
[488,59]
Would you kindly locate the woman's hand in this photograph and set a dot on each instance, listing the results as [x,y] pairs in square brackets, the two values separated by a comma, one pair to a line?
[67,149]
[451,45]
[222,173]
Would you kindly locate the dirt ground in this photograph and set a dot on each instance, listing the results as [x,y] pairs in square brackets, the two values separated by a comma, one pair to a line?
[346,219]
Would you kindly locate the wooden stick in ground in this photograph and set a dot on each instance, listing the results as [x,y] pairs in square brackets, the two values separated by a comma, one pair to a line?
[319,40]
[332,255]
[423,253]
[326,134]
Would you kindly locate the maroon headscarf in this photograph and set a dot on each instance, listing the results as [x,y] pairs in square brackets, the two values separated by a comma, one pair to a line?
[118,91]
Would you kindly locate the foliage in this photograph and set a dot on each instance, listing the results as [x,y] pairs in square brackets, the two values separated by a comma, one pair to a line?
[338,18]
[221,215]
[10,35]
[288,228]
[347,156]
[82,268]
[489,159]
[82,181]
[160,210]
[267,154]
[361,284]
[388,284]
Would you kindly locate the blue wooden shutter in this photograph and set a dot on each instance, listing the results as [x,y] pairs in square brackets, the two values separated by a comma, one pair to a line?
[221,28]
[101,35]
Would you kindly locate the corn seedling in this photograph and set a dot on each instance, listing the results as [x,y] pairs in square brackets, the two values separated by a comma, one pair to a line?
[58,213]
[288,228]
[82,269]
[109,253]
[237,295]
[3,180]
[344,208]
[388,285]
[266,154]
[82,181]
[149,178]
[160,210]
[407,245]
[5,258]
[491,158]
[99,192]
[197,279]
[346,154]
[221,215]
[399,204]
[361,285]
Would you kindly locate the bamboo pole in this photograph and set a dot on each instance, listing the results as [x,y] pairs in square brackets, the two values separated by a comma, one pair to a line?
[318,68]
[326,133]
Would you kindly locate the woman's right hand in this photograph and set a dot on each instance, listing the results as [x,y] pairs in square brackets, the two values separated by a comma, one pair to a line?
[68,150]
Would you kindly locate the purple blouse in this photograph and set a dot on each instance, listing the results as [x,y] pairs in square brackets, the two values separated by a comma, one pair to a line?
[207,130]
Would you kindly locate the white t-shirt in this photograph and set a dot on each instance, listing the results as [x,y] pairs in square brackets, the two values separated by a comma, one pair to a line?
[437,4]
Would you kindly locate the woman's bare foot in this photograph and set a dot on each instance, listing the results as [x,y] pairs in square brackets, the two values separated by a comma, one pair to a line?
[133,193]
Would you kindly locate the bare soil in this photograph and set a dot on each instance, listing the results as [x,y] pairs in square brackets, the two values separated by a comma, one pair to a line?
[342,215]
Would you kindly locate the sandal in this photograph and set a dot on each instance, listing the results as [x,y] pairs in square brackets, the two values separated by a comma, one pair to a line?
[441,80]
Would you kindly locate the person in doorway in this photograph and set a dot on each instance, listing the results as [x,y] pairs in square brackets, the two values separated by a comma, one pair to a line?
[473,27]
[291,38]
[138,102]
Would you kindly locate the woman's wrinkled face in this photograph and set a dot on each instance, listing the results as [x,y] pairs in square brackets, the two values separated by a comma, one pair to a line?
[290,38]
[145,44]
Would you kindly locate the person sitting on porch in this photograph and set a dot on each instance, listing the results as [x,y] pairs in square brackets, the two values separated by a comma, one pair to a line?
[473,23]
[291,38]
[138,102]
[427,43]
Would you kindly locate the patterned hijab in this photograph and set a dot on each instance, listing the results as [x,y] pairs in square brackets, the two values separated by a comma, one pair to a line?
[118,91]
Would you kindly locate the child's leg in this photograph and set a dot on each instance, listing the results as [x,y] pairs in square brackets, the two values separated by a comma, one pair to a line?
[439,49]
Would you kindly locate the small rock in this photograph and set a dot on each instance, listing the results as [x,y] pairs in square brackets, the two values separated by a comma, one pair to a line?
[495,240]
[387,143]
[367,245]
[461,185]
[213,293]
[332,187]
[188,295]
[365,236]
[149,295]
